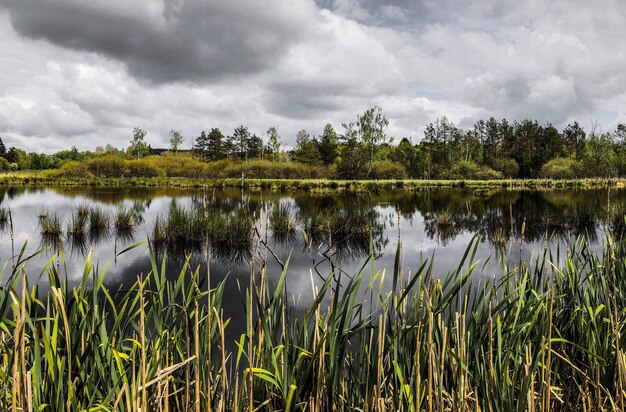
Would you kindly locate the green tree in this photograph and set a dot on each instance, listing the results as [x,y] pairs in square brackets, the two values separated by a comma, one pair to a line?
[598,159]
[254,147]
[371,127]
[215,144]
[176,139]
[328,146]
[201,146]
[138,146]
[306,150]
[406,154]
[239,141]
[273,143]
[574,137]
[3,149]
[438,145]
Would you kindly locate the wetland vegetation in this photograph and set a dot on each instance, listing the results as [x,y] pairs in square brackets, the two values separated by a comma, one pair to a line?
[314,300]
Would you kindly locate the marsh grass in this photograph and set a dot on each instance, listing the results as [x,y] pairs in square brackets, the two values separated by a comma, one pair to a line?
[78,224]
[539,336]
[444,219]
[51,225]
[281,220]
[124,221]
[51,231]
[499,238]
[99,224]
[545,334]
[187,230]
[42,215]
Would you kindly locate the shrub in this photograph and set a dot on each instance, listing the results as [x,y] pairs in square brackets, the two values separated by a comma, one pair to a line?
[4,165]
[73,169]
[508,167]
[387,169]
[144,168]
[561,168]
[265,169]
[470,170]
[180,165]
[108,166]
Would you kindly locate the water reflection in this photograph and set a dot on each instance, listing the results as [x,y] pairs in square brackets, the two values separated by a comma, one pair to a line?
[311,226]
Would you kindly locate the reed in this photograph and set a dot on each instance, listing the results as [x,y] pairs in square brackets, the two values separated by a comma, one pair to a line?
[543,335]
[98,221]
[77,226]
[51,225]
[125,220]
[281,221]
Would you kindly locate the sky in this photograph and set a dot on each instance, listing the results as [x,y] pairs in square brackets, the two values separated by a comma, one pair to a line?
[84,73]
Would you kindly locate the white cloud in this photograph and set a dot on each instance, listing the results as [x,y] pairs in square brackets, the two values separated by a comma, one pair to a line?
[297,65]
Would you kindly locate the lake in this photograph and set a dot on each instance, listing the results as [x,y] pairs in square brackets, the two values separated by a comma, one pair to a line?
[437,222]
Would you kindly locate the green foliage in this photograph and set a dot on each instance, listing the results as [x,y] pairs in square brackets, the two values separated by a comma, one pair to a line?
[265,169]
[328,145]
[562,168]
[138,146]
[74,169]
[365,135]
[176,139]
[144,168]
[543,334]
[385,169]
[507,166]
[108,166]
[306,150]
[470,170]
[4,165]
[273,144]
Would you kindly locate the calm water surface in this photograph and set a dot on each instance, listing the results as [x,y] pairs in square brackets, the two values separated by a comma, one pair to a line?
[563,215]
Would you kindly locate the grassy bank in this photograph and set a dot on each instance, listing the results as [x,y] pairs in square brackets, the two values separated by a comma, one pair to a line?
[44,179]
[536,337]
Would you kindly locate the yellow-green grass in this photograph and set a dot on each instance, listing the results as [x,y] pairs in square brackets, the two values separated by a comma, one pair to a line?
[541,335]
[45,179]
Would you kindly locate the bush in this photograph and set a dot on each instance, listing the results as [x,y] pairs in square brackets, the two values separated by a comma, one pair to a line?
[4,165]
[144,168]
[387,169]
[108,166]
[73,169]
[508,167]
[263,169]
[561,168]
[180,165]
[470,170]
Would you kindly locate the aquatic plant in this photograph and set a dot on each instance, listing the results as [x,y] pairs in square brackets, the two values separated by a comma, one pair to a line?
[499,238]
[281,219]
[98,220]
[539,336]
[42,214]
[444,219]
[125,219]
[51,225]
[77,226]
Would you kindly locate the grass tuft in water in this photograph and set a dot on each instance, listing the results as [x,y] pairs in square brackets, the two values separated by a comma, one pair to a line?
[77,226]
[281,220]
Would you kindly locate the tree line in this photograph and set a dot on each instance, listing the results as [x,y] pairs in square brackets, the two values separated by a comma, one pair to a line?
[491,149]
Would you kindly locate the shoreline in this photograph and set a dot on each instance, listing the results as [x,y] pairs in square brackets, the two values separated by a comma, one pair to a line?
[40,179]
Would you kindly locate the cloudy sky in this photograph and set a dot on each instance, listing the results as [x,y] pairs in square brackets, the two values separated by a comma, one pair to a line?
[84,73]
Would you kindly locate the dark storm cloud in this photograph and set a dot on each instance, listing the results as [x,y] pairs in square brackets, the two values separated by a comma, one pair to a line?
[189,41]
[87,72]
